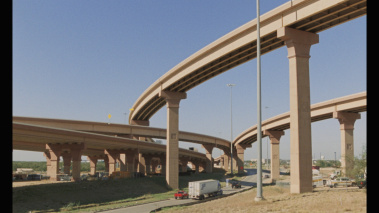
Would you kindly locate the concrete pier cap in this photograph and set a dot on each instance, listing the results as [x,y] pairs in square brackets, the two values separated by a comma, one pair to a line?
[303,39]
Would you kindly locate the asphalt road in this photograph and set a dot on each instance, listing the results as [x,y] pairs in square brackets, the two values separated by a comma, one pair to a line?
[249,181]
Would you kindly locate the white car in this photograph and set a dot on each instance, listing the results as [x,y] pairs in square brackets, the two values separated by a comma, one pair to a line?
[341,181]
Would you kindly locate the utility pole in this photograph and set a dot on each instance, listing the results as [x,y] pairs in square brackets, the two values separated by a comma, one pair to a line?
[231,127]
[259,196]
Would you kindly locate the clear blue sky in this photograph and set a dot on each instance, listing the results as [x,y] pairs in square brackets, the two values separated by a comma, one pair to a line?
[83,60]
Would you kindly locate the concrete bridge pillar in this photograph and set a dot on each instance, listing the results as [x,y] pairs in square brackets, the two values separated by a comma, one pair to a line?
[76,154]
[298,45]
[240,150]
[131,154]
[46,153]
[148,159]
[154,164]
[196,164]
[202,165]
[172,137]
[221,161]
[113,155]
[275,159]
[347,120]
[184,161]
[209,163]
[123,162]
[226,157]
[141,164]
[92,164]
[162,162]
[235,159]
[106,163]
[66,156]
[54,155]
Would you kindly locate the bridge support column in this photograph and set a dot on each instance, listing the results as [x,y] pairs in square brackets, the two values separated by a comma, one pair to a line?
[92,164]
[221,161]
[66,156]
[113,155]
[209,162]
[106,163]
[46,153]
[162,161]
[275,159]
[184,161]
[226,162]
[76,154]
[54,151]
[240,157]
[172,147]
[147,158]
[347,121]
[130,157]
[196,164]
[235,159]
[298,45]
[48,163]
[141,164]
[226,157]
[123,162]
[154,164]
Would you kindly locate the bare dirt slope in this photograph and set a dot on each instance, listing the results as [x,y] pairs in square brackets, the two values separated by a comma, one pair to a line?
[278,199]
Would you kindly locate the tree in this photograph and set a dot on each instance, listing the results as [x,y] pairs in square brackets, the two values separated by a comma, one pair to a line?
[359,165]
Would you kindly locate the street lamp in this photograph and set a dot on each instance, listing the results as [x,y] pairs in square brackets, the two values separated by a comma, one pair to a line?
[231,128]
[259,196]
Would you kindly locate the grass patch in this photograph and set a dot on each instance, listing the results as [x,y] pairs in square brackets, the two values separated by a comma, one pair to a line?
[99,195]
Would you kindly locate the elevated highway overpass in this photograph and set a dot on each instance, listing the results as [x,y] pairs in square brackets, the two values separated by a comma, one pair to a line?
[295,25]
[71,144]
[239,46]
[346,109]
[123,131]
[354,103]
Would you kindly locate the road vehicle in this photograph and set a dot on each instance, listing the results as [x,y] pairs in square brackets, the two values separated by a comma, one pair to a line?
[341,181]
[64,177]
[34,177]
[335,174]
[181,194]
[236,184]
[362,183]
[200,189]
[317,181]
[83,177]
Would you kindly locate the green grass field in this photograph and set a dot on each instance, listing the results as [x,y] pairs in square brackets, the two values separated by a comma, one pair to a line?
[90,196]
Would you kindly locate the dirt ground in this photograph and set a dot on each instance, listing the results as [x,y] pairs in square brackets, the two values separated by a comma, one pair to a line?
[279,199]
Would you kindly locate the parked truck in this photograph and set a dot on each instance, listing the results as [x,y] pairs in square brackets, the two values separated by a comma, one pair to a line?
[200,189]
[317,181]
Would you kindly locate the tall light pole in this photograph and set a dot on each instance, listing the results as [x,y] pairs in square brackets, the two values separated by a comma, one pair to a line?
[267,164]
[231,127]
[259,196]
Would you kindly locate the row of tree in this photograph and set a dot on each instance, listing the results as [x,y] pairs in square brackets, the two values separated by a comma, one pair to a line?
[41,166]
